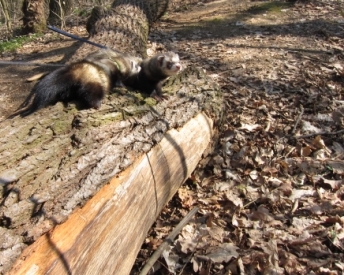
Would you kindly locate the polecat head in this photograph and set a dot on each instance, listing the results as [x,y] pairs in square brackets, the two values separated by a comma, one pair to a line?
[169,63]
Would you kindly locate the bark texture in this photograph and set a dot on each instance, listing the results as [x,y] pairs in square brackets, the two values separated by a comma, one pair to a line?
[104,236]
[34,18]
[4,6]
[53,161]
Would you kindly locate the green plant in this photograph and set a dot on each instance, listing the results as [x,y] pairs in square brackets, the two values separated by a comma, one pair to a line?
[81,12]
[274,7]
[16,42]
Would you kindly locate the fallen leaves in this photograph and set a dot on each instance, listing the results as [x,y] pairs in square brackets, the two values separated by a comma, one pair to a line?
[273,203]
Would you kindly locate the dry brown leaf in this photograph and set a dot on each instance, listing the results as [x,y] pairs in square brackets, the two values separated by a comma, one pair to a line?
[171,260]
[222,253]
[241,222]
[234,198]
[186,197]
[337,166]
[334,184]
[186,245]
[338,148]
[290,263]
[216,233]
[261,214]
[249,127]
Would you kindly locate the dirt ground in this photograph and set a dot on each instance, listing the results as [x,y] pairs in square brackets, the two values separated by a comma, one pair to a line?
[271,197]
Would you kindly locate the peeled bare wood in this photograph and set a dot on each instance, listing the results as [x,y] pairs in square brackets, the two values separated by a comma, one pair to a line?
[105,235]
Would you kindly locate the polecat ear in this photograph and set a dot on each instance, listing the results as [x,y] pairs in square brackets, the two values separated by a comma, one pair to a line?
[135,68]
[160,60]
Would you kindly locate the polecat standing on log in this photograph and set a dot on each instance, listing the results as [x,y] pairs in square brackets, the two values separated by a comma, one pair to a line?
[153,72]
[86,81]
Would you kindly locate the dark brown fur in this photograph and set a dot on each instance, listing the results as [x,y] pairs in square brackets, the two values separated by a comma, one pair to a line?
[153,72]
[86,81]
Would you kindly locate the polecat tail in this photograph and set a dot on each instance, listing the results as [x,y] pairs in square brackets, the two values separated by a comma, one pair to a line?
[86,81]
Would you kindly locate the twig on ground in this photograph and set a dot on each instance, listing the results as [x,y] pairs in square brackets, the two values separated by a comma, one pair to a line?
[241,266]
[298,120]
[26,63]
[167,241]
[188,260]
[319,134]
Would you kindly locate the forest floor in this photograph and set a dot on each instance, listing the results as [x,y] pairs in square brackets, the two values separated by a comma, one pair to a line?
[271,197]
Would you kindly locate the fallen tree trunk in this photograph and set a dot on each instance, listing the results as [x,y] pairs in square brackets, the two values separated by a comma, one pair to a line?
[60,159]
[105,235]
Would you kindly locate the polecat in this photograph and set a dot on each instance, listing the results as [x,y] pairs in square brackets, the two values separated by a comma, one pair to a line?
[86,81]
[126,64]
[153,71]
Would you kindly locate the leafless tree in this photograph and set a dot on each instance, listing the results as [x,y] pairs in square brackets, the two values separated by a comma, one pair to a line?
[58,9]
[4,6]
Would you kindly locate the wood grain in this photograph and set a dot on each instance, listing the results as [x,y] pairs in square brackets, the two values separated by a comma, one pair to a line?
[105,235]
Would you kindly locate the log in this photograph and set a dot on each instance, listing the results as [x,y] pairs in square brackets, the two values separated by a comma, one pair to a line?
[55,160]
[56,164]
[104,236]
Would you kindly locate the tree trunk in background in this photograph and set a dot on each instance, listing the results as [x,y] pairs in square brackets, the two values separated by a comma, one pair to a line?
[34,19]
[6,14]
[53,162]
[58,9]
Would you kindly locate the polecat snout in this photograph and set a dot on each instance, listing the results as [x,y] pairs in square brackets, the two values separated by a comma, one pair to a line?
[86,81]
[153,72]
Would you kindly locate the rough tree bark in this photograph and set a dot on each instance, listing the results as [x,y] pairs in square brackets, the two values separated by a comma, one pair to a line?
[4,6]
[55,164]
[34,17]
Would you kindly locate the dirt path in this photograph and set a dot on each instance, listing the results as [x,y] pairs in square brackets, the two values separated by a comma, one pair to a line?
[271,196]
[49,49]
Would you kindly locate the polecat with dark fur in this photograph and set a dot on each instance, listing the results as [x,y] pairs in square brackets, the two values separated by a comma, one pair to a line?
[153,72]
[86,81]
